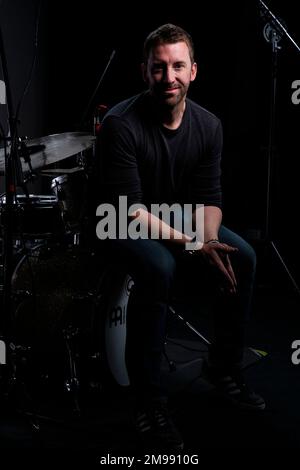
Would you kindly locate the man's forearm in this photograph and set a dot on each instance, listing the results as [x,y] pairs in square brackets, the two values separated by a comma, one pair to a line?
[158,229]
[212,221]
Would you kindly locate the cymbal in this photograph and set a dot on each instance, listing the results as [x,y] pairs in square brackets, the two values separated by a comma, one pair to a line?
[61,171]
[45,151]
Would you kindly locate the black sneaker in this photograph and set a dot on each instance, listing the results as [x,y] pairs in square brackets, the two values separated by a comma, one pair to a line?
[157,430]
[232,386]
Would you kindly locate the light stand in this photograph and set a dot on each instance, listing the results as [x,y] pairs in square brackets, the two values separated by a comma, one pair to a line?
[274,31]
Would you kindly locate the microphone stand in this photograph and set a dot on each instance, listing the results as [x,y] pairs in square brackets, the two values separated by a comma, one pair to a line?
[274,31]
[96,89]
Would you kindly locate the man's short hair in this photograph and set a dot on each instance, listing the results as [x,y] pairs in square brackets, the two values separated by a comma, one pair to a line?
[167,34]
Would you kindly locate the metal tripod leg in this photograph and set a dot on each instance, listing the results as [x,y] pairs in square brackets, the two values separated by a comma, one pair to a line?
[172,365]
[297,289]
[189,325]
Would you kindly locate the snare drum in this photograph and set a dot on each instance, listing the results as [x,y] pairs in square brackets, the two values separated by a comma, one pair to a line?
[34,217]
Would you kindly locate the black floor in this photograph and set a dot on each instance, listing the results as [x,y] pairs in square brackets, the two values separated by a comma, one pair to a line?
[46,419]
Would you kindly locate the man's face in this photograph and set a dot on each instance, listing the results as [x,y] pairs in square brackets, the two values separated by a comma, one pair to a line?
[168,72]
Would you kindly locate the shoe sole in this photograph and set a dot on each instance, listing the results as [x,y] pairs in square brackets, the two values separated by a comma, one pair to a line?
[239,405]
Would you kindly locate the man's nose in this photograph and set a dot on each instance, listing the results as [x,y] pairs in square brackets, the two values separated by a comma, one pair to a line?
[169,75]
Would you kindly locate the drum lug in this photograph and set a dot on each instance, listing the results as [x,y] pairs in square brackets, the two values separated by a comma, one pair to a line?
[83,296]
[21,295]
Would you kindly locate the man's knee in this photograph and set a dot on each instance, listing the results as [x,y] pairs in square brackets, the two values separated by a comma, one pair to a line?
[245,260]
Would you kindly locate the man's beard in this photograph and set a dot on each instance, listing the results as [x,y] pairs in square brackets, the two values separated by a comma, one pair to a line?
[169,101]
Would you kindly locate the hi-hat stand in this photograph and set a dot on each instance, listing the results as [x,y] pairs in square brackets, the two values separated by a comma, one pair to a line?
[273,32]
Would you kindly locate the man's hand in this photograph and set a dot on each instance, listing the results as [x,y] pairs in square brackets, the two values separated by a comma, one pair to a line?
[217,256]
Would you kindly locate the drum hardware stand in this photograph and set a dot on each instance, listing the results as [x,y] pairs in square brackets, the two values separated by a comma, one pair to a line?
[16,389]
[13,178]
[70,334]
[25,153]
[255,355]
[72,383]
[273,32]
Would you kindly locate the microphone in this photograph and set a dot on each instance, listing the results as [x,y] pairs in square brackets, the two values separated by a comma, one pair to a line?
[100,110]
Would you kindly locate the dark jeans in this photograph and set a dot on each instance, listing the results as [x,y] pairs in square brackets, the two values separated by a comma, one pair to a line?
[152,264]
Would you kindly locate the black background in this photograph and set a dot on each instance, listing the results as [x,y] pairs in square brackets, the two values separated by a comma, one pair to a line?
[234,70]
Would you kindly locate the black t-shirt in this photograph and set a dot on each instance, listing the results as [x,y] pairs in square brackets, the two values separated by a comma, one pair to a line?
[152,164]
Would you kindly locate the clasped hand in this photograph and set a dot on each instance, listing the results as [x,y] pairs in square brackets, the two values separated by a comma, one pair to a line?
[217,256]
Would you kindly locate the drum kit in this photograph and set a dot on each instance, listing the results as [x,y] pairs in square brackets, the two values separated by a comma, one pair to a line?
[61,305]
[37,216]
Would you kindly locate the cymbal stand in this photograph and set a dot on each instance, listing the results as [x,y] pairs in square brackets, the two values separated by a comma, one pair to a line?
[10,189]
[24,151]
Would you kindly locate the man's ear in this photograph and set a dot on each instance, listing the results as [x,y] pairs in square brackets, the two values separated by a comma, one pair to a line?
[194,71]
[144,72]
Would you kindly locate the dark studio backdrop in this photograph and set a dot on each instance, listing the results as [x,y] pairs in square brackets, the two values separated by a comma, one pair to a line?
[76,41]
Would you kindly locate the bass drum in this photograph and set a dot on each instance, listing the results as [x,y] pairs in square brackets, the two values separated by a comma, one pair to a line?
[115,289]
[70,313]
[53,309]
